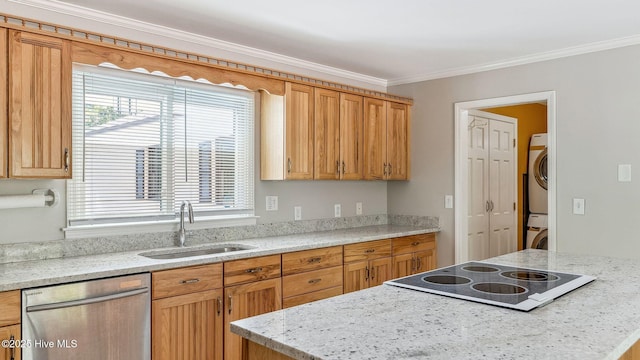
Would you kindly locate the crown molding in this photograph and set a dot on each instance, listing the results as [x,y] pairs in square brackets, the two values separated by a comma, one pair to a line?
[529,59]
[184,36]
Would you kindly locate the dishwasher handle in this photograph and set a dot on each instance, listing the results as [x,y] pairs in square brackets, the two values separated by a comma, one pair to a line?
[65,304]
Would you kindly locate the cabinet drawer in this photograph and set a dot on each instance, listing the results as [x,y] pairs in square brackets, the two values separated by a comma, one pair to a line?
[186,280]
[312,296]
[297,262]
[310,281]
[254,269]
[9,307]
[409,244]
[367,250]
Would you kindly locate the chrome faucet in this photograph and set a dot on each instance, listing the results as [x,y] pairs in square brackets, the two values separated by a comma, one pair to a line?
[181,233]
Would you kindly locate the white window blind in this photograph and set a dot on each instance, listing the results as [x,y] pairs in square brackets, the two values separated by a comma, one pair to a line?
[144,143]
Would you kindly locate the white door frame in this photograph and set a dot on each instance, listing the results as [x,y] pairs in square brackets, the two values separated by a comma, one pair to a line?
[461,153]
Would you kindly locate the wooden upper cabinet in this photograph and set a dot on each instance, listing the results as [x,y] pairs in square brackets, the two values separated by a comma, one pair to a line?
[338,135]
[327,135]
[39,106]
[299,131]
[386,140]
[375,139]
[351,134]
[4,149]
[286,134]
[397,141]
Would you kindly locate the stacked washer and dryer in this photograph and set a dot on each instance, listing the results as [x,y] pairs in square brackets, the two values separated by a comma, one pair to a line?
[538,208]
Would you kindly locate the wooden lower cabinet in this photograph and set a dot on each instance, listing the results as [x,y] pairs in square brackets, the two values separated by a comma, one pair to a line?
[413,254]
[365,274]
[188,327]
[632,354]
[246,300]
[10,333]
[254,351]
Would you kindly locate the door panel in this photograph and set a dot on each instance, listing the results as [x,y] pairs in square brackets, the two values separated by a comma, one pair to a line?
[299,131]
[403,265]
[397,144]
[243,301]
[379,271]
[478,183]
[351,136]
[375,138]
[355,276]
[327,134]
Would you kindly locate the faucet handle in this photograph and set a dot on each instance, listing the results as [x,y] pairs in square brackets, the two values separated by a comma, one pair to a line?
[190,212]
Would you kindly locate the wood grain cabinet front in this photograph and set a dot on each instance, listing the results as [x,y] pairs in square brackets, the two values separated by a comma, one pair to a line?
[4,125]
[252,287]
[187,313]
[386,140]
[39,101]
[10,324]
[366,264]
[311,275]
[413,254]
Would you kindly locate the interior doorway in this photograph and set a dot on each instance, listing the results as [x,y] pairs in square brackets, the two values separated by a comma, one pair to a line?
[461,163]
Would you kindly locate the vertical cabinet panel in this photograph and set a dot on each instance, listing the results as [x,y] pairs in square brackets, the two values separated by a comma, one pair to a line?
[4,150]
[188,327]
[351,136]
[403,265]
[355,276]
[244,301]
[10,333]
[327,135]
[299,131]
[379,271]
[375,139]
[398,141]
[40,106]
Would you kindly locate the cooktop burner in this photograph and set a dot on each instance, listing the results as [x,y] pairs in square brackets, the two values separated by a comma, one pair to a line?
[507,286]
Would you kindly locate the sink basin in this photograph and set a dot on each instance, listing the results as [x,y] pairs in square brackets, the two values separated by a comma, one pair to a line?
[193,251]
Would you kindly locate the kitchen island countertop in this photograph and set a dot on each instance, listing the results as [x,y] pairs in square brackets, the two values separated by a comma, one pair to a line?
[600,320]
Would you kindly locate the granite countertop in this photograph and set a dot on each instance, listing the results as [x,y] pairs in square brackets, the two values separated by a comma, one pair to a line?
[28,274]
[600,320]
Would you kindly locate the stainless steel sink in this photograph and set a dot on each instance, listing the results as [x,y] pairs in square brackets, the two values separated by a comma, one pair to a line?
[193,251]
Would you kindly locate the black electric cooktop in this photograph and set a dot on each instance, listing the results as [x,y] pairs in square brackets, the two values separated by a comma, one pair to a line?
[494,284]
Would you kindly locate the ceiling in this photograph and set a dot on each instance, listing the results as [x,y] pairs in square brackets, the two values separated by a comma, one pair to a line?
[397,42]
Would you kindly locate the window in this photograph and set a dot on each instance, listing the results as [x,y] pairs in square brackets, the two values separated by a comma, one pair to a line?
[144,143]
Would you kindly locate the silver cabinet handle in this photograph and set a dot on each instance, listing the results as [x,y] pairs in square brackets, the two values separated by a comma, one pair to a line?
[230,304]
[384,171]
[491,201]
[219,305]
[88,301]
[190,281]
[486,206]
[289,165]
[254,270]
[337,167]
[66,160]
[13,348]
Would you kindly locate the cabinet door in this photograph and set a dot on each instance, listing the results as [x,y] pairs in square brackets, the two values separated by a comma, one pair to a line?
[188,327]
[351,142]
[425,260]
[379,271]
[9,333]
[375,139]
[327,135]
[397,141]
[39,106]
[403,265]
[4,149]
[355,276]
[299,131]
[244,301]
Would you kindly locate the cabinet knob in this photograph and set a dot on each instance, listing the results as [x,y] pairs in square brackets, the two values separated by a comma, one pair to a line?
[289,165]
[415,243]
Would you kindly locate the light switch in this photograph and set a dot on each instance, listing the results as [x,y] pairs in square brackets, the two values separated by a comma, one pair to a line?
[448,201]
[624,172]
[297,213]
[272,203]
[337,210]
[578,206]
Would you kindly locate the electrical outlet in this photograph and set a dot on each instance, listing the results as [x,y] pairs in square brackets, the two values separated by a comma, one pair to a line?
[624,172]
[297,213]
[358,208]
[337,210]
[272,203]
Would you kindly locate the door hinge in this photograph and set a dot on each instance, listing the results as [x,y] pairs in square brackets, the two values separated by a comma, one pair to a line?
[514,206]
[514,142]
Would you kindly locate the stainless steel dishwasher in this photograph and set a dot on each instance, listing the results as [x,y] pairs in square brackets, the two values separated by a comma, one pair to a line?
[105,319]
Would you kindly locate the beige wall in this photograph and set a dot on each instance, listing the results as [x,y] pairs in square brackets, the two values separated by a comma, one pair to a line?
[597,128]
[532,119]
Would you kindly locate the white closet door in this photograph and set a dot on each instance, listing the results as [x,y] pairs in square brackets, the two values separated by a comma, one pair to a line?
[478,167]
[492,185]
[502,188]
